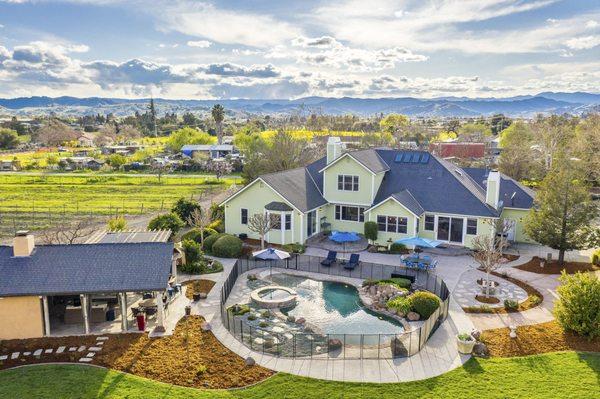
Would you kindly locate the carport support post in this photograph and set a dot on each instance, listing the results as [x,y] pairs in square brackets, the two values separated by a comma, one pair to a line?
[46,316]
[123,303]
[160,316]
[84,310]
[174,268]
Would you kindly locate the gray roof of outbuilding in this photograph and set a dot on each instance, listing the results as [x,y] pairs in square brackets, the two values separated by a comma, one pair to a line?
[296,186]
[523,196]
[86,268]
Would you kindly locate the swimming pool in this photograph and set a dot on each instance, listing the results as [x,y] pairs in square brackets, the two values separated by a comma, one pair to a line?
[334,307]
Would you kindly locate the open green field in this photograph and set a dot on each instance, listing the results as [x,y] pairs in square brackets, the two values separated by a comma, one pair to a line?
[554,375]
[100,194]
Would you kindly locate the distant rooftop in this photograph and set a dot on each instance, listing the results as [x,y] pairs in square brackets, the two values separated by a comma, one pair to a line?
[120,237]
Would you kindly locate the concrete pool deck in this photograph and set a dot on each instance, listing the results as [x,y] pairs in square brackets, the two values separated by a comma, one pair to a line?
[438,356]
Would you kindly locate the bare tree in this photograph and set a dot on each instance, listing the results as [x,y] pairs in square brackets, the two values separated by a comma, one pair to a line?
[219,168]
[261,224]
[54,133]
[487,255]
[68,234]
[501,227]
[200,219]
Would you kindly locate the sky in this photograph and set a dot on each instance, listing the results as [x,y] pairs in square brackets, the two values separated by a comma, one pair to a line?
[281,49]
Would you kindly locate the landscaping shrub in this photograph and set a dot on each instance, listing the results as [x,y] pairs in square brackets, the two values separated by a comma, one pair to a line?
[402,304]
[227,246]
[578,306]
[217,225]
[294,248]
[596,257]
[424,303]
[397,281]
[511,304]
[216,212]
[192,251]
[535,300]
[184,208]
[194,234]
[371,231]
[117,224]
[239,309]
[202,266]
[209,242]
[397,248]
[167,221]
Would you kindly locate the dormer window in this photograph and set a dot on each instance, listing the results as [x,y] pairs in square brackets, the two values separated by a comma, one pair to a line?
[347,183]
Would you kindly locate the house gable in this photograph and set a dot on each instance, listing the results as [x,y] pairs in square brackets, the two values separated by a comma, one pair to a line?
[353,169]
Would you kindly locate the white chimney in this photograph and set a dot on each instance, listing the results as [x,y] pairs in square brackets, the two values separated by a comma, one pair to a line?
[23,243]
[335,148]
[492,191]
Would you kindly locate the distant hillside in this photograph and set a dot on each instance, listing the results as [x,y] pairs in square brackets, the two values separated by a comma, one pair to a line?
[521,106]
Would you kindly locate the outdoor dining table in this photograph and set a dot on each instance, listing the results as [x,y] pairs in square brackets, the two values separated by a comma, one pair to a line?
[148,303]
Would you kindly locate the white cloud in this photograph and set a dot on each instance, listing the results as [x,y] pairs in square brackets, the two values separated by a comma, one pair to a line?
[583,42]
[199,43]
[591,24]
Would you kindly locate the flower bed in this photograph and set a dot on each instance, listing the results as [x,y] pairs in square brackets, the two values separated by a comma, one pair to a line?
[535,339]
[198,286]
[554,268]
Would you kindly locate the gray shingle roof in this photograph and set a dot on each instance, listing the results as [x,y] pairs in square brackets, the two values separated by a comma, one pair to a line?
[523,196]
[86,268]
[409,201]
[296,186]
[278,206]
[371,160]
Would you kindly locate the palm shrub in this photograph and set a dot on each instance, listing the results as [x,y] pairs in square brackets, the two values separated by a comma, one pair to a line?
[227,246]
[424,303]
[578,306]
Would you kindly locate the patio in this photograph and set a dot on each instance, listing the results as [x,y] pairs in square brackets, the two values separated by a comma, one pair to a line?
[323,241]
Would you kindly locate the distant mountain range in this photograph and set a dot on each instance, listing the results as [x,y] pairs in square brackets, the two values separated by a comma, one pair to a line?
[521,106]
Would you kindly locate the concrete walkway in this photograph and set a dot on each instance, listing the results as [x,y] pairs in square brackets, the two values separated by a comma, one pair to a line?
[437,357]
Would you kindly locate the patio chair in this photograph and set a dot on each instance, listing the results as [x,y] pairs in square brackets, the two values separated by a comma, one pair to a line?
[353,262]
[433,265]
[330,260]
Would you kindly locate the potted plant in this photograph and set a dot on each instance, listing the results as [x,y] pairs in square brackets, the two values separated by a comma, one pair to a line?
[465,343]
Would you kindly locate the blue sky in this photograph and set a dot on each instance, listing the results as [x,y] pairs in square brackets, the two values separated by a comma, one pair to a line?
[290,49]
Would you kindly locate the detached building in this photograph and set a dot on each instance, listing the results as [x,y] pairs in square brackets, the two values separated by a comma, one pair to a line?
[217,151]
[80,288]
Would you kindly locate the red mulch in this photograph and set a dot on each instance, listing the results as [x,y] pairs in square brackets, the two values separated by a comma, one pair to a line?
[554,268]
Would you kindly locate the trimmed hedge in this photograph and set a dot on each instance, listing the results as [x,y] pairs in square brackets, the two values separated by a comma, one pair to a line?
[192,251]
[227,246]
[371,231]
[397,248]
[424,303]
[210,241]
[194,234]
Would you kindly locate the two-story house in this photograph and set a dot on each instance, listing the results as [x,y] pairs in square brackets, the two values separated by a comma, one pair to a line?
[407,193]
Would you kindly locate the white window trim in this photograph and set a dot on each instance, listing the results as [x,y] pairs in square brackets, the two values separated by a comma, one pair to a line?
[352,177]
[386,224]
[349,206]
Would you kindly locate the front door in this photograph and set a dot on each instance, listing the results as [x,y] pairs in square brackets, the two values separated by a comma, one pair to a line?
[443,228]
[456,230]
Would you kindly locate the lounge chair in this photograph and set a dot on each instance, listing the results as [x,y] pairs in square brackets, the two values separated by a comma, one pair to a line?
[433,265]
[353,262]
[331,259]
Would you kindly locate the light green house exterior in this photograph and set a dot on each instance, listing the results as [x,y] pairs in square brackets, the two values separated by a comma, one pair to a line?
[344,190]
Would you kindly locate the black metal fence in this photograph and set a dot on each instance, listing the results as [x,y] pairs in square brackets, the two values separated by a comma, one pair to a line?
[336,346]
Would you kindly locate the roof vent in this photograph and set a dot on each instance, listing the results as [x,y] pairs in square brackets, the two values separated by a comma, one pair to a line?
[458,172]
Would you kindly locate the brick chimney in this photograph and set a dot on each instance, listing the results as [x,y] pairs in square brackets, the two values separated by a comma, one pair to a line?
[23,243]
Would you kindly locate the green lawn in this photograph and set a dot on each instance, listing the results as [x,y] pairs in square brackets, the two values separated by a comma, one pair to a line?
[555,375]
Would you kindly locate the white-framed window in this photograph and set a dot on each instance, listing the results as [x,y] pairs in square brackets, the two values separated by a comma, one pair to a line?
[276,217]
[429,222]
[350,213]
[392,224]
[347,183]
[472,226]
[244,216]
[288,221]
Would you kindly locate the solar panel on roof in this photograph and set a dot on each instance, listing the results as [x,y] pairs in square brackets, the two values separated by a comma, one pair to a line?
[398,158]
[425,158]
[415,158]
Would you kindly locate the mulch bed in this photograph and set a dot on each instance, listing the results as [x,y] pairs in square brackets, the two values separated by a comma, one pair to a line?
[535,339]
[527,304]
[198,286]
[510,257]
[190,357]
[485,299]
[554,268]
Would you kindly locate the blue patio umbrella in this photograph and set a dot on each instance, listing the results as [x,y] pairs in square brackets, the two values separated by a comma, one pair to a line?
[270,254]
[342,237]
[419,242]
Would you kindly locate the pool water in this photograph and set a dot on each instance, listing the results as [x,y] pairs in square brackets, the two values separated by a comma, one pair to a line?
[334,307]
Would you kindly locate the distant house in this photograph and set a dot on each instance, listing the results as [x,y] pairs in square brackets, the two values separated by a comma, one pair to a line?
[86,139]
[458,150]
[216,151]
[8,166]
[95,164]
[128,149]
[83,163]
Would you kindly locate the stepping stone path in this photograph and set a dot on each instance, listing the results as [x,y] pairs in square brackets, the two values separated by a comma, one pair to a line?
[92,350]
